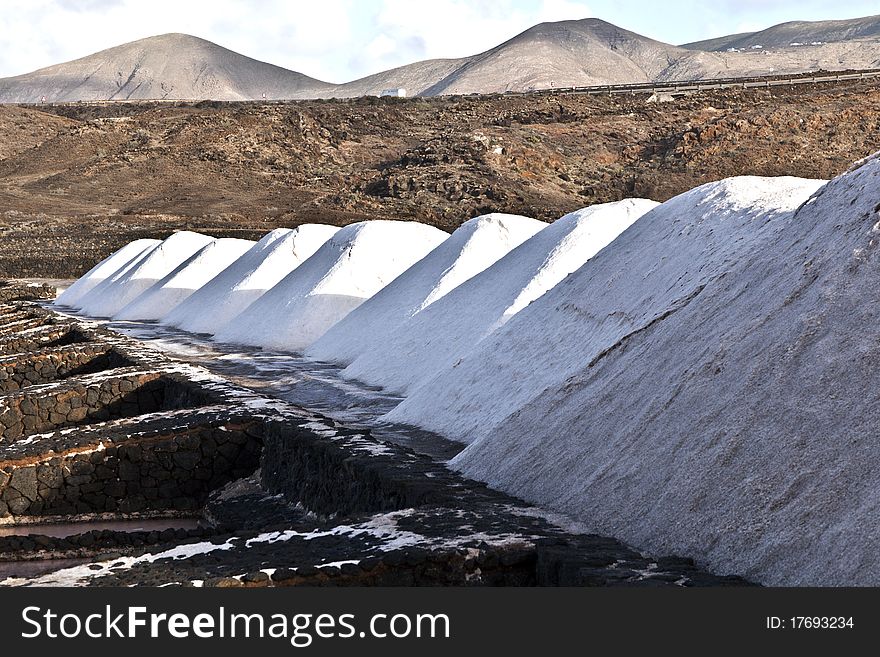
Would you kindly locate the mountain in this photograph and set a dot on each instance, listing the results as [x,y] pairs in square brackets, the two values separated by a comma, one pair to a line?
[562,54]
[592,52]
[165,66]
[795,34]
[579,53]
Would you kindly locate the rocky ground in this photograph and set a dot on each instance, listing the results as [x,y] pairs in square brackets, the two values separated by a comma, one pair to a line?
[78,181]
[99,432]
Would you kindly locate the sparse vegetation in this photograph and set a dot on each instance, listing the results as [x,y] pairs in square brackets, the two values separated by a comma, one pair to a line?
[76,186]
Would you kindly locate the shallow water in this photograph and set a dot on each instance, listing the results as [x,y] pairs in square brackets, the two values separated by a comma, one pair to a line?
[35,567]
[28,568]
[65,529]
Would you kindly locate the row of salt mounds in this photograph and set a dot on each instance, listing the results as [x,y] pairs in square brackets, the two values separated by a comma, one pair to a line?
[741,427]
[247,279]
[474,246]
[652,268]
[114,293]
[348,269]
[434,339]
[179,284]
[103,270]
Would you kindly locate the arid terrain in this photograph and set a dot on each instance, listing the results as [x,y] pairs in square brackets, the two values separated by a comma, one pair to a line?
[78,181]
[571,53]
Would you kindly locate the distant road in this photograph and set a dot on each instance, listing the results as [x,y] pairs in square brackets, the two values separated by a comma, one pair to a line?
[665,88]
[689,86]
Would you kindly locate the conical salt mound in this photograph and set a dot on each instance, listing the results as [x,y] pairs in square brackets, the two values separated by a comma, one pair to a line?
[443,332]
[474,246]
[103,270]
[734,417]
[658,262]
[248,278]
[177,286]
[348,269]
[114,293]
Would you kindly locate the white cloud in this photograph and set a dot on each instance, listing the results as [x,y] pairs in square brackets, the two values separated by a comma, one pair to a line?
[381,47]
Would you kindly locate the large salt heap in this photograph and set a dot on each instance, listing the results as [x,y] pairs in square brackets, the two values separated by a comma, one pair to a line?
[474,246]
[348,269]
[178,285]
[434,339]
[114,293]
[103,270]
[737,421]
[272,258]
[662,258]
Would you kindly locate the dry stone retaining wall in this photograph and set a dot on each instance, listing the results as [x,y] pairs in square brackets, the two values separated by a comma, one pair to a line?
[95,425]
[333,469]
[24,323]
[149,468]
[92,399]
[14,291]
[52,335]
[52,364]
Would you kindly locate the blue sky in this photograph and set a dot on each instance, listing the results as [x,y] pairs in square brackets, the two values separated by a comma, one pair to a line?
[339,40]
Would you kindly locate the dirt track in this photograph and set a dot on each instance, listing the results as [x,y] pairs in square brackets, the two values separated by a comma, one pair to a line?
[78,181]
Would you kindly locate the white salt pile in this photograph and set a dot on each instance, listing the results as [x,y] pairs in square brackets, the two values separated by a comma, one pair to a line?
[703,386]
[272,258]
[177,286]
[351,267]
[103,270]
[673,250]
[736,421]
[474,246]
[114,293]
[443,332]
[100,290]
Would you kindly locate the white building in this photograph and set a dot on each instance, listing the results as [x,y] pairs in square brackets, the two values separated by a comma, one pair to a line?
[397,93]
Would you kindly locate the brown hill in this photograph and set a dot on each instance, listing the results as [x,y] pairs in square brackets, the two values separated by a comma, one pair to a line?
[796,34]
[85,183]
[574,53]
[167,66]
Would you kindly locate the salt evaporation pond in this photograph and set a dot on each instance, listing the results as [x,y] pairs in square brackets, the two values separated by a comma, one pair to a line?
[316,386]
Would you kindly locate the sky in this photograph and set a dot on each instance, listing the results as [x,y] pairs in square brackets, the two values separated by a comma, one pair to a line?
[340,40]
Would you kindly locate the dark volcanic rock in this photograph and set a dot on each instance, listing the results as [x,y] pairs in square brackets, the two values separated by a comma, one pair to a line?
[288,497]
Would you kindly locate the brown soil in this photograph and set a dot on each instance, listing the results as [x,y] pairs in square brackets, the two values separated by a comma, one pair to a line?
[79,181]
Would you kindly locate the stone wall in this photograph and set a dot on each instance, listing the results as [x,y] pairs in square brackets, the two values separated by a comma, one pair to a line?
[95,398]
[25,322]
[148,468]
[91,542]
[92,423]
[10,314]
[58,363]
[16,291]
[51,335]
[412,567]
[332,469]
